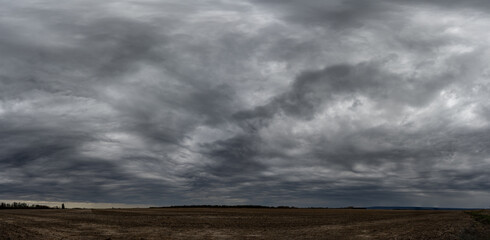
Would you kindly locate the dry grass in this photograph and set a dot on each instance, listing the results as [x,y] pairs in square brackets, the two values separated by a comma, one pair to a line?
[233,223]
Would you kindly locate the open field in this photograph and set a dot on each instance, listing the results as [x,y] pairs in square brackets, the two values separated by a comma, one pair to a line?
[236,223]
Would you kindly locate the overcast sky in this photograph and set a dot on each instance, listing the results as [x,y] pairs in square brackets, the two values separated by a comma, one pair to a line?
[271,102]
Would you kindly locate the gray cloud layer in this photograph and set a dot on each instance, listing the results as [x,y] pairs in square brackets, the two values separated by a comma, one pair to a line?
[307,103]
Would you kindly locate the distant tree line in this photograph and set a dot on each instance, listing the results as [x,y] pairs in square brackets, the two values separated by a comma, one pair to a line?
[225,206]
[21,205]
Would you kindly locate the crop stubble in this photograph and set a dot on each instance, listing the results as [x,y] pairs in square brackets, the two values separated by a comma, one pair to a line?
[233,223]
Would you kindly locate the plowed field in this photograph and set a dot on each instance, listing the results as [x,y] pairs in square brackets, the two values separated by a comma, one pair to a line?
[235,223]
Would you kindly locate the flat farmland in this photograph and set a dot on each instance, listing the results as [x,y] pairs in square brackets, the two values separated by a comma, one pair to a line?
[237,223]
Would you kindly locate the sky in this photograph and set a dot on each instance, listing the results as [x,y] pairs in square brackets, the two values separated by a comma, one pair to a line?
[325,103]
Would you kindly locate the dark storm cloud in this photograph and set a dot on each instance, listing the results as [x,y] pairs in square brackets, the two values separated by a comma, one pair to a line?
[235,155]
[54,134]
[313,89]
[337,14]
[346,14]
[477,4]
[308,103]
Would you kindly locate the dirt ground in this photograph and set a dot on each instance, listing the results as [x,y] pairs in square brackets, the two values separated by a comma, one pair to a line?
[236,223]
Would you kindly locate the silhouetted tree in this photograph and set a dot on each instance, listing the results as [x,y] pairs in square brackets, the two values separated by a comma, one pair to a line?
[21,205]
[62,206]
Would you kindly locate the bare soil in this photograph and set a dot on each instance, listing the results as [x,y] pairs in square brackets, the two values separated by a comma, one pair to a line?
[237,223]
